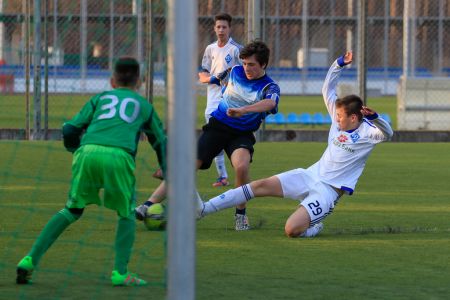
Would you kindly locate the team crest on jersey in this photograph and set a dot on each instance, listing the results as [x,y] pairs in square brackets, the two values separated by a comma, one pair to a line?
[342,138]
[228,58]
[355,137]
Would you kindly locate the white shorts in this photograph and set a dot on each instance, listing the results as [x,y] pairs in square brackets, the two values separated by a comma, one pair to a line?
[317,197]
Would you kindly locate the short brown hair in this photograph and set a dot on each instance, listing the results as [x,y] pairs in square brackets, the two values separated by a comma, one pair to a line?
[126,71]
[259,49]
[223,17]
[352,104]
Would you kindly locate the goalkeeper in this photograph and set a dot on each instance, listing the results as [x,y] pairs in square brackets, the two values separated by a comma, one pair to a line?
[105,159]
[355,131]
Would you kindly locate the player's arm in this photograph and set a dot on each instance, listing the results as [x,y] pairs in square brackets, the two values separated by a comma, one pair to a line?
[383,130]
[73,129]
[154,131]
[205,77]
[332,79]
[268,104]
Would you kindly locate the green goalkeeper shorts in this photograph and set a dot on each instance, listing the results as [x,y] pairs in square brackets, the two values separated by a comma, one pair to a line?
[96,167]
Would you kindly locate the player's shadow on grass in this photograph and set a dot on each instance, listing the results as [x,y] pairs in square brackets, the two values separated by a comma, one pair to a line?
[383,230]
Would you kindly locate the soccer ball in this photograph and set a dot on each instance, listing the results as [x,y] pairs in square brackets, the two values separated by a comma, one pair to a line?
[155,219]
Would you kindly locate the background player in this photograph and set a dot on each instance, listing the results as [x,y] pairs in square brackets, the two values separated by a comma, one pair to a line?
[355,131]
[249,96]
[217,59]
[104,159]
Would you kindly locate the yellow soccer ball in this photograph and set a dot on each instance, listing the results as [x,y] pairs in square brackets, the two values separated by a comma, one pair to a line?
[155,219]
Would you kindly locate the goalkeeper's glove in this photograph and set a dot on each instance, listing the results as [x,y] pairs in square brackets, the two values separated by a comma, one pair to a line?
[71,137]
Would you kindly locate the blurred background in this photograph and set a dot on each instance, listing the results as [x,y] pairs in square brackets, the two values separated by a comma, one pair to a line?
[79,40]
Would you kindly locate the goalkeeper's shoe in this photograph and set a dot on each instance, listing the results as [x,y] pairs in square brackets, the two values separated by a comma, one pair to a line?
[24,270]
[241,222]
[313,230]
[221,181]
[141,212]
[127,279]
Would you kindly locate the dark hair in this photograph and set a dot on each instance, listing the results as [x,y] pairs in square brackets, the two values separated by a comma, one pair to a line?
[126,71]
[223,17]
[259,49]
[352,104]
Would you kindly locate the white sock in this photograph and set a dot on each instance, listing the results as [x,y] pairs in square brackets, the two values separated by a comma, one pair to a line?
[313,230]
[220,165]
[230,198]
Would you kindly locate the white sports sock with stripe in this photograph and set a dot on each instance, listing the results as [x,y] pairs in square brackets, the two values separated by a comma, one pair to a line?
[220,165]
[230,198]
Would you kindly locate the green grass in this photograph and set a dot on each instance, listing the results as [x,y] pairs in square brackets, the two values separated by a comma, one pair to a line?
[64,107]
[388,241]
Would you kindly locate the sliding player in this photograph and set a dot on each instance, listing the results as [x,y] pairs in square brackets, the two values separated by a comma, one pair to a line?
[355,131]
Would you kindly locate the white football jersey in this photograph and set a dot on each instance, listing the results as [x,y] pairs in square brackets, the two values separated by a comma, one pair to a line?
[216,60]
[345,157]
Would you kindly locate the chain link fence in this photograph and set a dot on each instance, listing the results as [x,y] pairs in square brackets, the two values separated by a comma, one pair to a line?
[84,37]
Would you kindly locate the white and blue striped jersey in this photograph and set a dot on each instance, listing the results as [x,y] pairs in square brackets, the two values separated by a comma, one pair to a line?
[216,60]
[345,157]
[241,92]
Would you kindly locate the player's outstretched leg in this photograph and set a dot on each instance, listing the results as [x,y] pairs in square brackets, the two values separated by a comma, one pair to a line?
[158,195]
[57,224]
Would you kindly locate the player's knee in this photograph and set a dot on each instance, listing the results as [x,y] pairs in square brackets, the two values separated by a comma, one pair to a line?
[71,214]
[294,228]
[261,184]
[241,169]
[76,212]
[292,231]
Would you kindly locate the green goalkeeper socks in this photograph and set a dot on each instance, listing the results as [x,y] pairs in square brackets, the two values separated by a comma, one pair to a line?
[124,243]
[57,224]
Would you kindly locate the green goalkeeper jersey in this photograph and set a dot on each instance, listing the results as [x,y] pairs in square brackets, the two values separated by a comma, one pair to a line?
[116,118]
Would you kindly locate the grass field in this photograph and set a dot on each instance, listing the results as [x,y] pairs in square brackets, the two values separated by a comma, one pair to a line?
[388,241]
[64,107]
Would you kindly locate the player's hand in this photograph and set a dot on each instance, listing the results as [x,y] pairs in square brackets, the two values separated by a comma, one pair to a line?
[158,174]
[222,75]
[348,57]
[366,111]
[235,112]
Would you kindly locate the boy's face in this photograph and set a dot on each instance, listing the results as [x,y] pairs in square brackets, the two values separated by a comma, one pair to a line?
[344,121]
[252,68]
[222,30]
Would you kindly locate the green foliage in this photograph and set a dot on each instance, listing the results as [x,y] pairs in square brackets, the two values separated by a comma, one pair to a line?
[388,241]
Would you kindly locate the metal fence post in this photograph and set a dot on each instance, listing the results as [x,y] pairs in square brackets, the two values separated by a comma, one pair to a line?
[361,53]
[181,64]
[37,70]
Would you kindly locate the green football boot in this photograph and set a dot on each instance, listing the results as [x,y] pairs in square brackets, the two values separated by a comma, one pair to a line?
[128,279]
[24,270]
